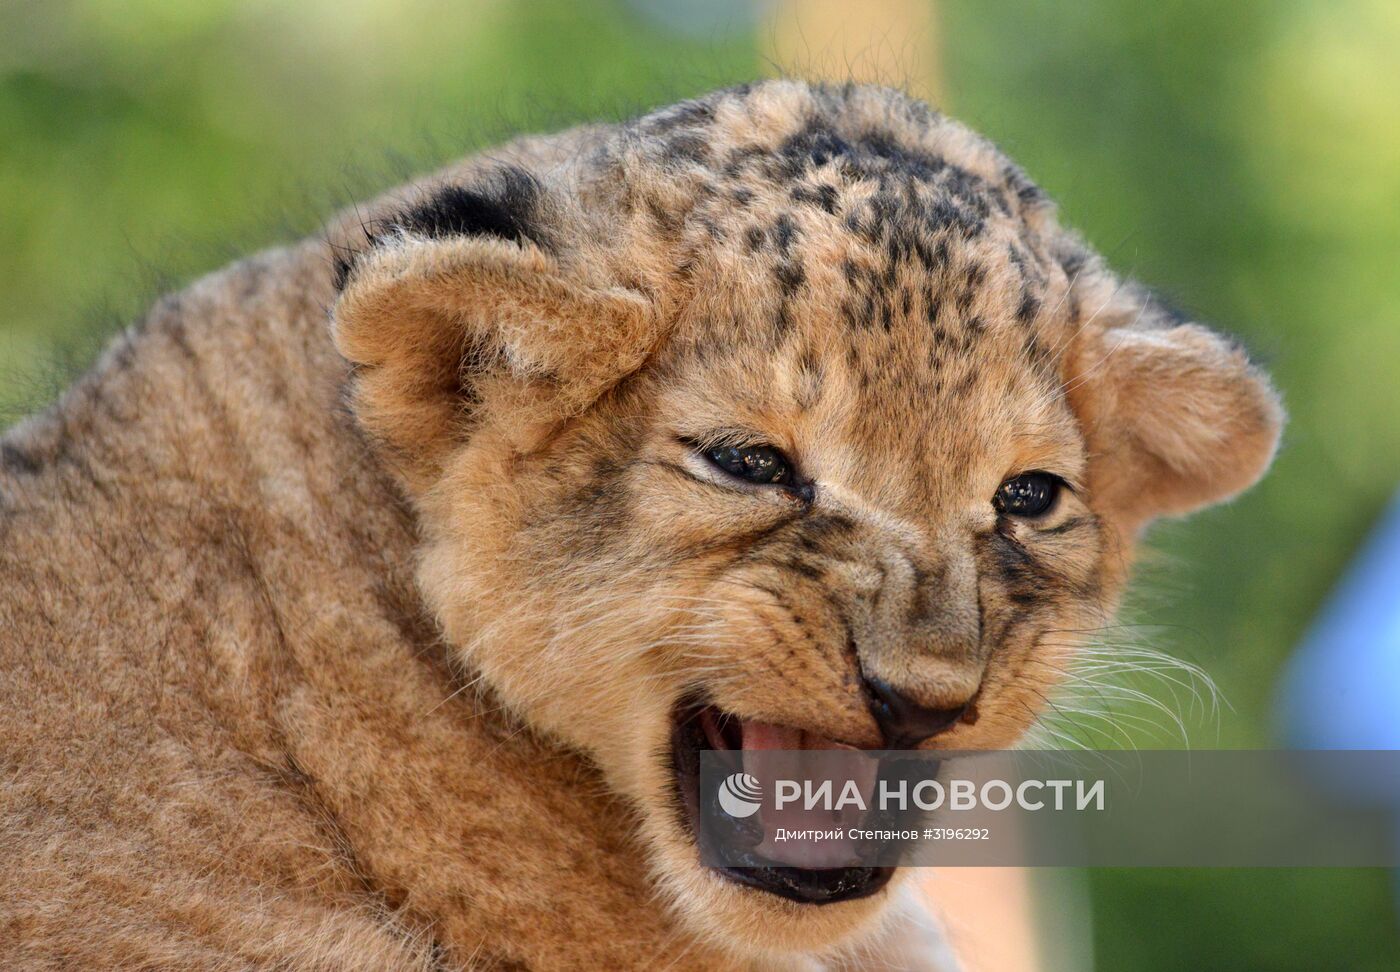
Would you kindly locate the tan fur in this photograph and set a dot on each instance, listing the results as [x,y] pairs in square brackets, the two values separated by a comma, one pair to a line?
[290,684]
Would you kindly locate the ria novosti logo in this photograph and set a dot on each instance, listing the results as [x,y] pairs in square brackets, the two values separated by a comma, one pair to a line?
[740,795]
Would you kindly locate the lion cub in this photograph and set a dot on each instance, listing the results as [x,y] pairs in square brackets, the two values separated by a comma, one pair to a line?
[787,417]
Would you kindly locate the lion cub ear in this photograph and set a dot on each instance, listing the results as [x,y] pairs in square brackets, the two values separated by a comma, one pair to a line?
[464,299]
[1176,415]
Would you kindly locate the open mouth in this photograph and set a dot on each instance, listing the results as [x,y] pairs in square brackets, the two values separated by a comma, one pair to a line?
[697,727]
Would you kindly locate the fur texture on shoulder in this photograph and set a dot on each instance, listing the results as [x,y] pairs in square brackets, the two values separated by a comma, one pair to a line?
[387,642]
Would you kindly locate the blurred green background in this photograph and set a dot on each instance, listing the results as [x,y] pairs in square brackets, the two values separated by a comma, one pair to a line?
[1242,157]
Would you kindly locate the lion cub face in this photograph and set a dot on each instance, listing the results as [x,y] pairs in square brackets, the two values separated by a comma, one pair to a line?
[787,418]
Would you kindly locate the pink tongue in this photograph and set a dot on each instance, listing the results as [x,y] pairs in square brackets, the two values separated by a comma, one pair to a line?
[763,735]
[760,738]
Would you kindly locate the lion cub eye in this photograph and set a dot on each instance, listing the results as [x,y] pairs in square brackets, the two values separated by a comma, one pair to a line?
[762,465]
[1029,494]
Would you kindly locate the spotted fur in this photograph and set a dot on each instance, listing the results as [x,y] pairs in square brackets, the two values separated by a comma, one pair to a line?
[278,610]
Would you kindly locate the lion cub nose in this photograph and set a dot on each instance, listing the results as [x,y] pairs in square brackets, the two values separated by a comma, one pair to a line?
[904,722]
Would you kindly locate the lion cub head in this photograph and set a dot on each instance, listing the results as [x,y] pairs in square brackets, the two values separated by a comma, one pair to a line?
[788,417]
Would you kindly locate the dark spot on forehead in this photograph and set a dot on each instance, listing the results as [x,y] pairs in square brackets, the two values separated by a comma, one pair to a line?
[741,158]
[686,148]
[784,232]
[869,155]
[948,213]
[698,112]
[712,229]
[1027,192]
[814,145]
[822,196]
[919,255]
[790,276]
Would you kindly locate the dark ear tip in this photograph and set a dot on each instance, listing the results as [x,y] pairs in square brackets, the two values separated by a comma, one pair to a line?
[340,270]
[505,206]
[346,257]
